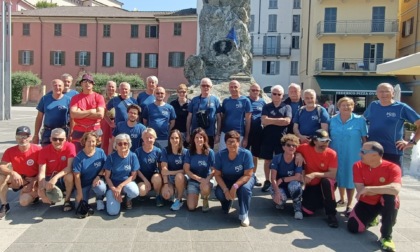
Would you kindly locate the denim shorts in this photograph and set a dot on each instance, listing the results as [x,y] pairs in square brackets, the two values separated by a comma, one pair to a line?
[193,186]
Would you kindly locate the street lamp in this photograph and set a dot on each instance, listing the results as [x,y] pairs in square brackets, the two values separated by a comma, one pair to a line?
[5,60]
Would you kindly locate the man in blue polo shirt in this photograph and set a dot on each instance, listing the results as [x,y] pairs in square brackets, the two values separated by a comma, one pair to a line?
[148,96]
[160,116]
[121,102]
[236,114]
[386,119]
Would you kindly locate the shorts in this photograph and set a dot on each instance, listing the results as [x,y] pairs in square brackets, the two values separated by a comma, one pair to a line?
[147,175]
[267,149]
[60,182]
[254,141]
[193,186]
[171,179]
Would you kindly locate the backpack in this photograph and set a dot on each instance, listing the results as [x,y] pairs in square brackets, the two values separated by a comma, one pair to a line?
[83,210]
[318,108]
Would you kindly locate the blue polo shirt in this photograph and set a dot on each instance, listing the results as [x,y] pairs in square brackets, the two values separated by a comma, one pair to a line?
[234,111]
[284,169]
[89,167]
[120,107]
[149,161]
[134,133]
[200,164]
[56,112]
[212,105]
[309,122]
[232,170]
[257,107]
[159,118]
[175,161]
[121,168]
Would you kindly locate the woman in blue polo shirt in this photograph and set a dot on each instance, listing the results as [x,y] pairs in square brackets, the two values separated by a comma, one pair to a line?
[234,176]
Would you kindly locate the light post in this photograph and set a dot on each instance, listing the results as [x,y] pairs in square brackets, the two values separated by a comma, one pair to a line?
[5,60]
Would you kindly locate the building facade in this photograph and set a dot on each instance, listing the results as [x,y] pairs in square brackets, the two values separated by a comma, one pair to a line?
[343,42]
[18,5]
[53,41]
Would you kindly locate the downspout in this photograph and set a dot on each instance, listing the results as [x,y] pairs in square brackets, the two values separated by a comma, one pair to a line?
[307,39]
[96,47]
[259,18]
[42,51]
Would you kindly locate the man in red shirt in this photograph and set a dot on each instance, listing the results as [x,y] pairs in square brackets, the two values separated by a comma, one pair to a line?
[22,174]
[320,170]
[378,183]
[86,111]
[55,167]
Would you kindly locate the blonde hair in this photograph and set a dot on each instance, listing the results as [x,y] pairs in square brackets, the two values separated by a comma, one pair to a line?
[182,86]
[149,131]
[345,99]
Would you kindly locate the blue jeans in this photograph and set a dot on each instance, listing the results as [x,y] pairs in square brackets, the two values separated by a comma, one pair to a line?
[113,207]
[293,190]
[244,194]
[99,191]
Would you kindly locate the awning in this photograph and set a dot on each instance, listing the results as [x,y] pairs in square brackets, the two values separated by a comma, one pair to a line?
[409,65]
[356,85]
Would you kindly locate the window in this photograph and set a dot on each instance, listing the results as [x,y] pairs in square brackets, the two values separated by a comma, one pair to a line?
[295,42]
[83,30]
[378,19]
[177,29]
[176,59]
[271,67]
[26,57]
[152,31]
[296,4]
[272,23]
[294,67]
[151,60]
[407,27]
[133,60]
[296,23]
[107,30]
[251,23]
[271,45]
[134,31]
[272,4]
[82,58]
[57,30]
[26,29]
[57,58]
[107,59]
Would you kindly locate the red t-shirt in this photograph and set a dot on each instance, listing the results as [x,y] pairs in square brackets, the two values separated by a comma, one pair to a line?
[24,163]
[384,174]
[317,162]
[87,102]
[56,160]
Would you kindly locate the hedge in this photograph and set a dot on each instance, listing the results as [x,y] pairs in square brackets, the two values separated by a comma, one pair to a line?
[19,80]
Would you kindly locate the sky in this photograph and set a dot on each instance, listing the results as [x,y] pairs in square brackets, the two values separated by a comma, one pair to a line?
[158,5]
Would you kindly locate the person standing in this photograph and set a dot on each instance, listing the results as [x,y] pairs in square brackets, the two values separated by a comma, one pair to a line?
[275,118]
[68,81]
[348,132]
[386,119]
[53,112]
[108,122]
[204,112]
[236,114]
[378,183]
[295,101]
[121,102]
[148,96]
[160,116]
[86,111]
[255,132]
[180,106]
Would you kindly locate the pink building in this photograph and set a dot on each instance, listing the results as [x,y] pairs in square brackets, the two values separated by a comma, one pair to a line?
[53,41]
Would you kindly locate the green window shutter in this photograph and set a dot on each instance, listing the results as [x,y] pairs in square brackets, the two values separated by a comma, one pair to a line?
[138,59]
[31,57]
[63,58]
[127,59]
[182,59]
[52,58]
[171,56]
[146,60]
[87,58]
[20,53]
[112,60]
[76,58]
[147,31]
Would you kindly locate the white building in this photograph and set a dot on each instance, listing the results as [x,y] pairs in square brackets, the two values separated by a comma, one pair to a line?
[31,4]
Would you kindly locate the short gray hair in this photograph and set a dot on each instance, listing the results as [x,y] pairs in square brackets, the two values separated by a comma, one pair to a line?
[310,91]
[119,137]
[67,76]
[125,84]
[58,131]
[277,87]
[152,77]
[297,86]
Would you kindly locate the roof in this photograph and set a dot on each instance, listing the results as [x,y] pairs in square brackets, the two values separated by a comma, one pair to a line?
[96,11]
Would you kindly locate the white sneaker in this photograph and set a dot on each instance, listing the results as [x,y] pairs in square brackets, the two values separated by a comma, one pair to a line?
[100,205]
[298,215]
[245,222]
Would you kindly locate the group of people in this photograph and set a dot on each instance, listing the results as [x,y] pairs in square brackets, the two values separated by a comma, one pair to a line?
[122,148]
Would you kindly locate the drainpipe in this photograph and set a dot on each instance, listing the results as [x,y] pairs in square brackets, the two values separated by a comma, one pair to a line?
[259,18]
[42,51]
[307,37]
[96,47]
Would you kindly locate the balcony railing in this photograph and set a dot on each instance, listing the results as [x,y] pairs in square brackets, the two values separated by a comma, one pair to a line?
[271,51]
[357,27]
[349,65]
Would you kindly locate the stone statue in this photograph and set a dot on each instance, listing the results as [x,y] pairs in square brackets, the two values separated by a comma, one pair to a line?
[225,47]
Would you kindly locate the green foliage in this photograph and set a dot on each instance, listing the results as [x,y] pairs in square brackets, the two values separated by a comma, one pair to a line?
[19,80]
[410,126]
[45,4]
[101,79]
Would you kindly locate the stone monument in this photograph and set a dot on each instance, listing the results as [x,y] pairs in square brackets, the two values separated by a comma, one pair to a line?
[225,48]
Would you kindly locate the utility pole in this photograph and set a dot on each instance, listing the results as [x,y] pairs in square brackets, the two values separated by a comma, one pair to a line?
[5,60]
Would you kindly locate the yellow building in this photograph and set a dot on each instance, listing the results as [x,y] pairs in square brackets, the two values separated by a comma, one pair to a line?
[342,43]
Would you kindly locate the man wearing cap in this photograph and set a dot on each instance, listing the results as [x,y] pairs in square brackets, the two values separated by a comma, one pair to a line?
[68,81]
[319,176]
[55,167]
[53,112]
[86,111]
[378,183]
[22,174]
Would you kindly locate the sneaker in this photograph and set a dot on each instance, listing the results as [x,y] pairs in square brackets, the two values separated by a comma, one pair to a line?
[176,205]
[4,209]
[374,223]
[206,206]
[245,222]
[298,215]
[348,211]
[280,206]
[100,205]
[341,203]
[159,201]
[266,186]
[332,221]
[257,182]
[387,244]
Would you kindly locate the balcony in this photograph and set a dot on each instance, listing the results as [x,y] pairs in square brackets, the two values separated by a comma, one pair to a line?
[357,27]
[263,51]
[347,65]
[271,45]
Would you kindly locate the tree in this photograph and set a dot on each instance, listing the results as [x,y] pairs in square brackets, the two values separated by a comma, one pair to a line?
[45,4]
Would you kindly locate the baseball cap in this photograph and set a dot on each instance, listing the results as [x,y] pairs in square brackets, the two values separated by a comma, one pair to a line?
[23,130]
[87,77]
[54,195]
[322,136]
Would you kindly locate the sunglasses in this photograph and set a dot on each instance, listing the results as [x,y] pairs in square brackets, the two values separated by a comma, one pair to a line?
[122,144]
[55,139]
[160,93]
[364,152]
[291,145]
[276,94]
[255,90]
[22,136]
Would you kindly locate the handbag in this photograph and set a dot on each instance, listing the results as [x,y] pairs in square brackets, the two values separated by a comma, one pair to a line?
[202,116]
[83,210]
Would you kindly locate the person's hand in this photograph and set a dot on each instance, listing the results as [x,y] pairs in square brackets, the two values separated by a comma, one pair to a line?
[50,184]
[232,193]
[117,193]
[35,139]
[96,181]
[304,139]
[299,160]
[244,142]
[309,177]
[164,172]
[17,179]
[403,145]
[227,194]
[148,185]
